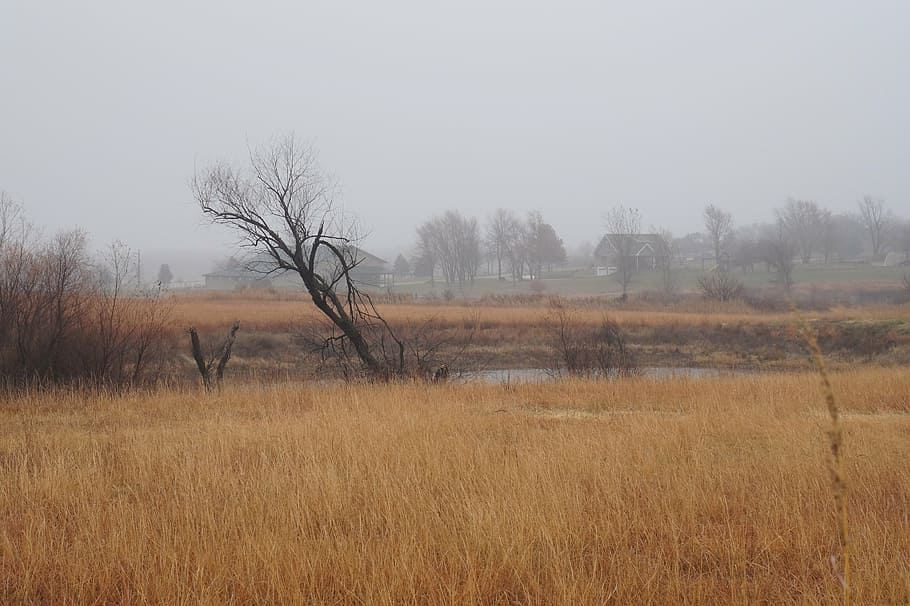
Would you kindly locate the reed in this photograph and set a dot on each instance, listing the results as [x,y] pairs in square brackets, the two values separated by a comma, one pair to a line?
[836,464]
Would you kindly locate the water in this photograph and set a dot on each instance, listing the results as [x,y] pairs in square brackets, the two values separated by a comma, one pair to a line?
[535,375]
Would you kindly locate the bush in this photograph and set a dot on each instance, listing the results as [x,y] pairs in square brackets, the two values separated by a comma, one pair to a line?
[579,351]
[67,318]
[720,286]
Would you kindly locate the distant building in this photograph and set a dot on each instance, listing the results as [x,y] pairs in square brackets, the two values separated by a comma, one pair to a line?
[260,271]
[645,252]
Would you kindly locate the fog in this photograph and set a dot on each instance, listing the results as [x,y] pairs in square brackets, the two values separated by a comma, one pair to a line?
[569,108]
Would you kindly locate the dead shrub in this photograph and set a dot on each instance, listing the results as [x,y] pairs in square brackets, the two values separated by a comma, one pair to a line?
[580,350]
[65,318]
[720,286]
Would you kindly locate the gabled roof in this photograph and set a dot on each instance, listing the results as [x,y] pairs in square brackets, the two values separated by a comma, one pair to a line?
[645,243]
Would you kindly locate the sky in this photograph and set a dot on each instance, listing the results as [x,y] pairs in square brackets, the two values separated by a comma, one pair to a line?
[107,108]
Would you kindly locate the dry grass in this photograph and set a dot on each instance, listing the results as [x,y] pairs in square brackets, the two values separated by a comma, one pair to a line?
[259,313]
[664,492]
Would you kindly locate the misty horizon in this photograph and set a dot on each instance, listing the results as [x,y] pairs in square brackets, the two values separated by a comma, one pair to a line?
[568,110]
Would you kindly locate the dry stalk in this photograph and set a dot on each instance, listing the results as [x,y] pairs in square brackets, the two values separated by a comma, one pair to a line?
[836,464]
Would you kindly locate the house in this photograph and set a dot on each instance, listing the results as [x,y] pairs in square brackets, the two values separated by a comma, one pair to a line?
[259,271]
[644,251]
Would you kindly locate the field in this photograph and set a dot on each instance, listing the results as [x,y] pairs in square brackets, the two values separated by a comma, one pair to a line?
[285,489]
[578,492]
[582,281]
[502,333]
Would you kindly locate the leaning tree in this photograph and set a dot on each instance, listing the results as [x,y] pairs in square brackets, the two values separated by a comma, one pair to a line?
[283,206]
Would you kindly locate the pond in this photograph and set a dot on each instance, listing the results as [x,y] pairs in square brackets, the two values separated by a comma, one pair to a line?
[533,375]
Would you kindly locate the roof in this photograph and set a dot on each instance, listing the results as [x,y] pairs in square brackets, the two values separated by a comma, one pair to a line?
[646,243]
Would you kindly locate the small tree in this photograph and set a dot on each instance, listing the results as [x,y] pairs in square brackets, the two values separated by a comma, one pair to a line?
[502,237]
[875,219]
[720,286]
[664,251]
[164,275]
[623,224]
[402,267]
[719,225]
[778,254]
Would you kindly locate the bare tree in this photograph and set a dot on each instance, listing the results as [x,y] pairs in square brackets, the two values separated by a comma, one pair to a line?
[503,234]
[664,251]
[623,225]
[777,253]
[803,220]
[454,241]
[544,246]
[875,218]
[283,206]
[719,225]
[721,286]
[903,239]
[827,234]
[401,266]
[165,276]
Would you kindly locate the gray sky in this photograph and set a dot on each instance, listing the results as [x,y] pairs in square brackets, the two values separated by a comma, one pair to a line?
[417,106]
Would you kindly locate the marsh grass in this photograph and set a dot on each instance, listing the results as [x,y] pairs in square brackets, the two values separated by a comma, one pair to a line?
[258,313]
[577,492]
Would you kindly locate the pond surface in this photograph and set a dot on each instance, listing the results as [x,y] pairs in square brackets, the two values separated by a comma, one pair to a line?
[534,375]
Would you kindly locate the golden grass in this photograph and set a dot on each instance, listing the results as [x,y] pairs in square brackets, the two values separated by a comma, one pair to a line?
[271,315]
[677,491]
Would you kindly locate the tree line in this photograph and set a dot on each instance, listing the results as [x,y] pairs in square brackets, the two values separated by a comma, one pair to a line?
[456,246]
[802,231]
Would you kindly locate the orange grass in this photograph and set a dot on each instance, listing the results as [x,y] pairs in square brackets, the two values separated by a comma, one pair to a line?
[702,491]
[264,314]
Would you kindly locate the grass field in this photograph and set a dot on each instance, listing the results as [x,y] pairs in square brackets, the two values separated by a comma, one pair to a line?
[286,311]
[583,282]
[676,491]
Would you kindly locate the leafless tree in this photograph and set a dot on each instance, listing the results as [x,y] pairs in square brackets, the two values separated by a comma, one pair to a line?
[128,327]
[719,225]
[664,250]
[453,240]
[875,218]
[778,252]
[903,239]
[503,235]
[283,205]
[543,245]
[623,224]
[720,286]
[827,234]
[803,220]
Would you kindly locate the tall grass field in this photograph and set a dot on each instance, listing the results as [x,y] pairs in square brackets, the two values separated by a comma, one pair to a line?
[672,491]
